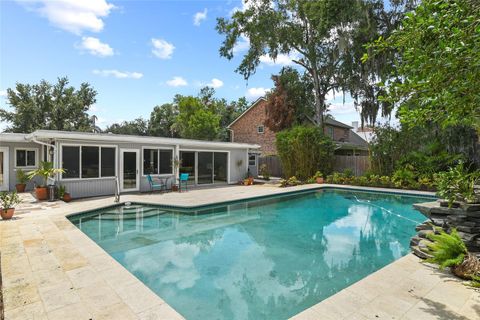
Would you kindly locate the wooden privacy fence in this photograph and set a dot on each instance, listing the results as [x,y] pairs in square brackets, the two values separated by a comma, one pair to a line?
[358,164]
[274,165]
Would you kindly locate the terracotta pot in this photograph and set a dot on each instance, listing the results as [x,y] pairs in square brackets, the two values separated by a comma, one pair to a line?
[175,188]
[67,197]
[20,187]
[246,182]
[319,180]
[7,214]
[41,193]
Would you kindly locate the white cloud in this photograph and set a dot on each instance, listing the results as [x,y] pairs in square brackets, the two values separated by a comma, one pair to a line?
[281,60]
[215,83]
[162,49]
[177,82]
[72,15]
[3,93]
[254,93]
[199,17]
[118,74]
[95,47]
[242,45]
[342,108]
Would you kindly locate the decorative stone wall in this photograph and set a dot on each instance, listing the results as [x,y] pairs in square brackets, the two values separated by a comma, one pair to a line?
[465,218]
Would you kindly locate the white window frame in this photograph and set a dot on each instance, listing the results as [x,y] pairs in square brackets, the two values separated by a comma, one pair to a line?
[256,159]
[80,160]
[196,162]
[261,131]
[158,149]
[26,166]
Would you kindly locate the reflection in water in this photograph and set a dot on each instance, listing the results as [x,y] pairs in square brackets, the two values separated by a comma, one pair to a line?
[264,259]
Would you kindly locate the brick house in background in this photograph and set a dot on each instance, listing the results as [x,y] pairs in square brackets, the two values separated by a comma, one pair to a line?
[250,127]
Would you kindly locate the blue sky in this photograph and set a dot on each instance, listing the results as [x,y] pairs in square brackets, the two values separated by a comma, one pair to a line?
[136,54]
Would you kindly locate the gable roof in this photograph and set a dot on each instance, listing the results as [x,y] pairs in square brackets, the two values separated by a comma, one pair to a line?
[328,121]
[336,123]
[248,109]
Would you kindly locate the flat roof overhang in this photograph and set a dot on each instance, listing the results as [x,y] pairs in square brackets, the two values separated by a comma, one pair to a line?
[109,137]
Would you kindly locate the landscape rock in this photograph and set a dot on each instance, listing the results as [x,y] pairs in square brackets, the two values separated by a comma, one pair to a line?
[466,219]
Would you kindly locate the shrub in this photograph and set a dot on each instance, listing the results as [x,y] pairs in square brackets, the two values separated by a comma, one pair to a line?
[457,184]
[264,172]
[303,150]
[290,182]
[404,177]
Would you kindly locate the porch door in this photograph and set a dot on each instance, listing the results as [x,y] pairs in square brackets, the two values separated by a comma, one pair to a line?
[129,170]
[4,169]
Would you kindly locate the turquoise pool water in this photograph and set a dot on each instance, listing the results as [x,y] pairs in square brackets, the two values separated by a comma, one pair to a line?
[259,259]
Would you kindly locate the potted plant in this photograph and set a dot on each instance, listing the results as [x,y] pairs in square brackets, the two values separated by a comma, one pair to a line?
[46,171]
[318,177]
[22,179]
[63,194]
[7,204]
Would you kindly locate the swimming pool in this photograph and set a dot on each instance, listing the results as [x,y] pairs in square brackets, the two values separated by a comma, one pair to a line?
[268,258]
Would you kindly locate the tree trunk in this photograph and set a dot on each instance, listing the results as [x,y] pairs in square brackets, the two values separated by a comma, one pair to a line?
[319,99]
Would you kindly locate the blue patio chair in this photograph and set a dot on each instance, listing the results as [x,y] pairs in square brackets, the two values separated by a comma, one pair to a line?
[154,185]
[183,182]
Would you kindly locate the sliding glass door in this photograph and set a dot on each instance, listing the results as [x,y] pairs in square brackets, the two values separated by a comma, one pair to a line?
[220,167]
[205,167]
[187,164]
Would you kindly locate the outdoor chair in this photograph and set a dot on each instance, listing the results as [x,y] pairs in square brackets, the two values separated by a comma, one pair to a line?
[155,185]
[183,182]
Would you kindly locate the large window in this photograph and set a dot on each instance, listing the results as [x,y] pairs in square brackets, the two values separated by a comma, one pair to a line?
[83,162]
[157,161]
[26,158]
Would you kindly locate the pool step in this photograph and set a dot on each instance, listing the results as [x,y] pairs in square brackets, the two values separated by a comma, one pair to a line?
[130,213]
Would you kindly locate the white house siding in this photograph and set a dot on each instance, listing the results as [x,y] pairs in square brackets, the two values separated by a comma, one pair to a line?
[12,170]
[80,188]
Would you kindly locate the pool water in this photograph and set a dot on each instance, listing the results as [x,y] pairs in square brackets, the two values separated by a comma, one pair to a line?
[259,259]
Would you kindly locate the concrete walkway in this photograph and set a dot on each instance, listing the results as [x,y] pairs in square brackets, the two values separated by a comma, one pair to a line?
[51,270]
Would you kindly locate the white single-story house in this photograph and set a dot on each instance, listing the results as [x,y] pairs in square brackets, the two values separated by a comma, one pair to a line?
[93,161]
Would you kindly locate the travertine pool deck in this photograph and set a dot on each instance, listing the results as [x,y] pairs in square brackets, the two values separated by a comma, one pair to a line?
[51,270]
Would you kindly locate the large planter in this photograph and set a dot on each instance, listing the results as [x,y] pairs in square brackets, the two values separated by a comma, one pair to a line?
[41,193]
[20,187]
[319,180]
[67,197]
[7,214]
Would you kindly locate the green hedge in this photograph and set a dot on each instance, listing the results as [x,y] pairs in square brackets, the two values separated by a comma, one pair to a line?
[304,150]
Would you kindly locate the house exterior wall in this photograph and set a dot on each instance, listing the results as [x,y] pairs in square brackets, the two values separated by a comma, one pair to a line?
[12,169]
[80,188]
[245,129]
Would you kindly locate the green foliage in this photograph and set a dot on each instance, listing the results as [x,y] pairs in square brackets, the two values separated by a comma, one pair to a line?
[61,191]
[437,78]
[321,35]
[318,174]
[22,177]
[46,171]
[303,150]
[291,100]
[162,119]
[290,182]
[457,184]
[405,177]
[447,250]
[8,200]
[49,106]
[137,127]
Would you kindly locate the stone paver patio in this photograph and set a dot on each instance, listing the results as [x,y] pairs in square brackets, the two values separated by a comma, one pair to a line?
[51,270]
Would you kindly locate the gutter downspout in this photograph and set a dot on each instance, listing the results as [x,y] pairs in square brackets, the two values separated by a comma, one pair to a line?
[54,151]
